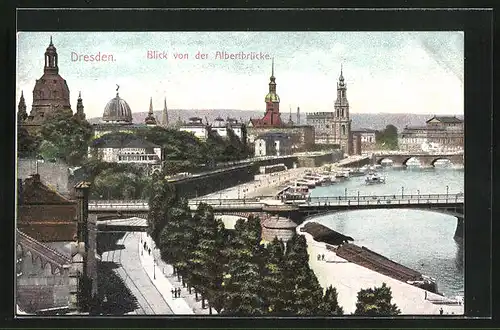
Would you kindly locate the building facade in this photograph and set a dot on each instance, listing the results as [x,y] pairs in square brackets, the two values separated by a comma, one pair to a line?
[334,127]
[221,127]
[273,144]
[441,133]
[50,95]
[364,140]
[196,126]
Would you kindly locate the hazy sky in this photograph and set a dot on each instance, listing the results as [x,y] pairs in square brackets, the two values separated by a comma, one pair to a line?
[394,72]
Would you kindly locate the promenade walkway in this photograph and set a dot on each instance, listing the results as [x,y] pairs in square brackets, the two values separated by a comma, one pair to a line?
[164,280]
[130,270]
[350,278]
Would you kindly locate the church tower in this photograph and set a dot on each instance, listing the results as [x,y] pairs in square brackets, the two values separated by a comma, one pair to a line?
[51,92]
[79,107]
[272,116]
[164,119]
[341,121]
[150,119]
[21,110]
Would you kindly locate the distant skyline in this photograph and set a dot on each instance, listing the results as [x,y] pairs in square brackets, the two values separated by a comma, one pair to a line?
[386,72]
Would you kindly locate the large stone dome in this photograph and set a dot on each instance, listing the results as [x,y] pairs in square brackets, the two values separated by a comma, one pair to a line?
[117,110]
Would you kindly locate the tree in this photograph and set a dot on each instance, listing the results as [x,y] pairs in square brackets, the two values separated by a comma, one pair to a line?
[273,278]
[207,256]
[163,197]
[376,302]
[242,281]
[329,305]
[69,135]
[176,239]
[388,138]
[302,288]
[27,144]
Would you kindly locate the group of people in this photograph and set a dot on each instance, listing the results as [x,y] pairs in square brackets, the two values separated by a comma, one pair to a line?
[176,293]
[321,257]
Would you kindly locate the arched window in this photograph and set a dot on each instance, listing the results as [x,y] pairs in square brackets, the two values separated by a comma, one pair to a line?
[343,129]
[343,113]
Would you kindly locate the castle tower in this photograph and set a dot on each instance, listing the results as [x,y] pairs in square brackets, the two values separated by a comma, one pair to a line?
[79,107]
[21,109]
[341,121]
[150,119]
[164,119]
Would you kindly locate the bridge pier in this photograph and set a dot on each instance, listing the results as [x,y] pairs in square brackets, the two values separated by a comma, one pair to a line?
[459,231]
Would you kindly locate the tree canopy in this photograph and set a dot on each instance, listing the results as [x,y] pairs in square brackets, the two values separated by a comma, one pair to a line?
[65,137]
[387,138]
[376,302]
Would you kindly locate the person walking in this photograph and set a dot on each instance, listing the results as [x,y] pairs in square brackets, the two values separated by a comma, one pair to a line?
[441,311]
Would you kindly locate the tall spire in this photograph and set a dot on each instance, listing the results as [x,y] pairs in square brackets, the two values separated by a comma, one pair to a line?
[51,44]
[21,109]
[272,68]
[290,122]
[164,120]
[150,119]
[79,107]
[298,115]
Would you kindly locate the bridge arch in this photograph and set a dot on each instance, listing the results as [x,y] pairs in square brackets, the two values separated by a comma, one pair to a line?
[406,159]
[434,160]
[384,158]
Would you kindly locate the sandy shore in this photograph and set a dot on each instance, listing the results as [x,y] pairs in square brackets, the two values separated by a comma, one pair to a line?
[349,278]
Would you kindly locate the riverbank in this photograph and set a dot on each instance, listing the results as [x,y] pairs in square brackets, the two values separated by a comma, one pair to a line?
[350,278]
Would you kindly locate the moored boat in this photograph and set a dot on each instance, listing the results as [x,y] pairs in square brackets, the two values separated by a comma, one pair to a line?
[374,178]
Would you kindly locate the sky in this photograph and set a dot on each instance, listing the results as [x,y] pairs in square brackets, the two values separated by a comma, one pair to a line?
[390,72]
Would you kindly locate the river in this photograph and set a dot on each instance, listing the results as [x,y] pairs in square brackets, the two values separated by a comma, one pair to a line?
[421,240]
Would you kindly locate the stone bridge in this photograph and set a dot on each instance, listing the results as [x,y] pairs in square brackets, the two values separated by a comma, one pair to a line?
[426,160]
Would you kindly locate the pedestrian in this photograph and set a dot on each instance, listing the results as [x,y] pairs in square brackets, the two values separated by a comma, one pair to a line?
[441,311]
[173,296]
[319,257]
[425,297]
[149,251]
[322,257]
[179,293]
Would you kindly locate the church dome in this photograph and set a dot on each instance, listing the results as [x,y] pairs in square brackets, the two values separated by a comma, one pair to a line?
[117,110]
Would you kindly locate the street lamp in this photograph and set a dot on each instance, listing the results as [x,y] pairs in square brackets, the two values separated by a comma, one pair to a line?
[402,192]
[358,197]
[345,193]
[154,269]
[447,190]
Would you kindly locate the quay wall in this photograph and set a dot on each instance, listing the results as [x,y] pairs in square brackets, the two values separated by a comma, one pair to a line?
[319,160]
[192,187]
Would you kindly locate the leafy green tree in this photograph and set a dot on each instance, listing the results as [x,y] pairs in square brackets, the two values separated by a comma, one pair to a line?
[376,302]
[112,184]
[177,238]
[162,198]
[303,289]
[242,282]
[69,135]
[273,278]
[387,138]
[27,144]
[330,305]
[207,256]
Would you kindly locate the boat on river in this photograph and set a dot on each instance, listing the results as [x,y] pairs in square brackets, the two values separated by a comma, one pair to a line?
[374,178]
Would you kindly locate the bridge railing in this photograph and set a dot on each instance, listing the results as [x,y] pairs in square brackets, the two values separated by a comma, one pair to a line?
[320,200]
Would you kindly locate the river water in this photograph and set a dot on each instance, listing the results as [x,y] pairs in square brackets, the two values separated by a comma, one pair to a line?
[421,240]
